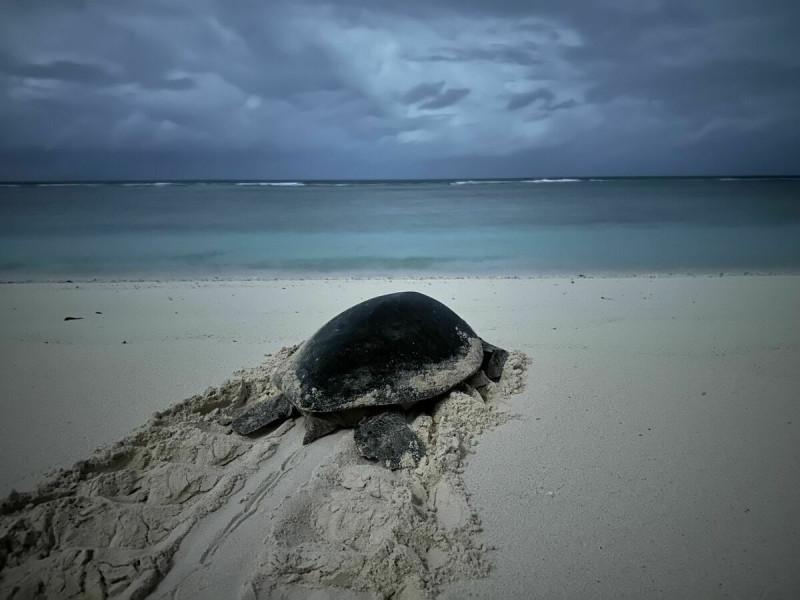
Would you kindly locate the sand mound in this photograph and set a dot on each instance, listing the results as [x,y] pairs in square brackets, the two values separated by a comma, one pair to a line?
[110,526]
[402,534]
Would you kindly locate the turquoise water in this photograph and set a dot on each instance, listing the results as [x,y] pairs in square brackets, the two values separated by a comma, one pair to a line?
[312,229]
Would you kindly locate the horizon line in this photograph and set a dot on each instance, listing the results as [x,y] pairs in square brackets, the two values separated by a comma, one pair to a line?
[391,179]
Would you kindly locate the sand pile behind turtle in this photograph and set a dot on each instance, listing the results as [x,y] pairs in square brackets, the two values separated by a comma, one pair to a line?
[115,524]
[400,533]
[108,526]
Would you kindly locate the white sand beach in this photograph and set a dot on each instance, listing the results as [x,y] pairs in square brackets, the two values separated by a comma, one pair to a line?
[649,448]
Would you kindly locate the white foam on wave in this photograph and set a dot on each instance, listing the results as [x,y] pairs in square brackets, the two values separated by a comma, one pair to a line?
[478,182]
[564,180]
[273,183]
[503,181]
[757,178]
[67,184]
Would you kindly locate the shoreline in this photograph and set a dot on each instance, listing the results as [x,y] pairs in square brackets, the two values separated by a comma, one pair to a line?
[675,273]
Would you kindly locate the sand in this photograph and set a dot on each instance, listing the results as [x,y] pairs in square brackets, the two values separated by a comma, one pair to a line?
[651,449]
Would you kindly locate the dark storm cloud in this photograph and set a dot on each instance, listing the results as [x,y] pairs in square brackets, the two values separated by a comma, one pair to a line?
[422,91]
[63,70]
[522,100]
[91,75]
[544,98]
[571,103]
[176,83]
[720,86]
[446,98]
[352,88]
[525,54]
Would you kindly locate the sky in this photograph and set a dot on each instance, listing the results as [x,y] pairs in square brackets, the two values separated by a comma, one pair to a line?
[259,89]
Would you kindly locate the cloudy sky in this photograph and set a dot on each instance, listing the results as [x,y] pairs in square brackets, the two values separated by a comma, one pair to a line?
[153,89]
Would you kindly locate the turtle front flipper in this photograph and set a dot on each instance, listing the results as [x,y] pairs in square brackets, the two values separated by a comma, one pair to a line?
[387,437]
[262,414]
[494,359]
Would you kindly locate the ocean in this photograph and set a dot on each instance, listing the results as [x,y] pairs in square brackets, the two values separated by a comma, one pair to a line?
[204,229]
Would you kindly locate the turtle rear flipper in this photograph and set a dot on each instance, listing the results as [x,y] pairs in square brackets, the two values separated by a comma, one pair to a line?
[262,414]
[316,427]
[494,359]
[387,437]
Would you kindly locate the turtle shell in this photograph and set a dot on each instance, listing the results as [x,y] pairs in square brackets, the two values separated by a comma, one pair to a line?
[393,349]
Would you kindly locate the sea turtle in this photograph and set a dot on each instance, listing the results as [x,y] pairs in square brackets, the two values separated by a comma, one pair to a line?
[368,364]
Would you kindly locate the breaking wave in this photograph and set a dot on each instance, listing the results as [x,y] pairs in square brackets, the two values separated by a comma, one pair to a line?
[69,184]
[565,180]
[273,183]
[150,183]
[479,182]
[504,181]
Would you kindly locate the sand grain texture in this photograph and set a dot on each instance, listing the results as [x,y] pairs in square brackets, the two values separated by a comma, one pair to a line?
[361,526]
[110,526]
[653,453]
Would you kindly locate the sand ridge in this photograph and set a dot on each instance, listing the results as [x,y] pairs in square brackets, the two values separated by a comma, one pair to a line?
[110,526]
[394,534]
